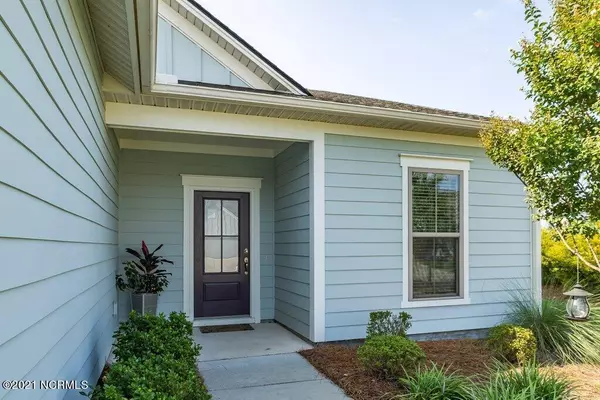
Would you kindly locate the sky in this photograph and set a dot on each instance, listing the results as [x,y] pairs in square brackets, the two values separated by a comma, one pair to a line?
[451,54]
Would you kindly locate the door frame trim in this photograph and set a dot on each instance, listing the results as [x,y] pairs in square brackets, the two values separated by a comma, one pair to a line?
[192,183]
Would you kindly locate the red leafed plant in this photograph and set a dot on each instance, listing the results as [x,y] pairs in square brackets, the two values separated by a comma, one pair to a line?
[144,274]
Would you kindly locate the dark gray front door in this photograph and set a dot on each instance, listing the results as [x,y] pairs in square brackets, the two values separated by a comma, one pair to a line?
[221,254]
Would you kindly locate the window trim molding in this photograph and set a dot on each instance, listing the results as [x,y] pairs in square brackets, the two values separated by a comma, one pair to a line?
[429,162]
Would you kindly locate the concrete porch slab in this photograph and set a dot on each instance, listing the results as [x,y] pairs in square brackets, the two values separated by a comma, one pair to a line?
[254,371]
[307,390]
[260,364]
[265,339]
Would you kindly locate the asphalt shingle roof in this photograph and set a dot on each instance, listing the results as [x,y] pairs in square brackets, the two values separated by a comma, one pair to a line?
[393,105]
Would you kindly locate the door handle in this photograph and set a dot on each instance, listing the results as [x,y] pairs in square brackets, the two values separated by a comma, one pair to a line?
[246,261]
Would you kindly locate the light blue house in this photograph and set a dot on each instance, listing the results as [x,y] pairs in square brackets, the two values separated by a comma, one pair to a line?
[131,120]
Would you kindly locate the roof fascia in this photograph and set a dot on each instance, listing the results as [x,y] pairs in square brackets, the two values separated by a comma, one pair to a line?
[311,104]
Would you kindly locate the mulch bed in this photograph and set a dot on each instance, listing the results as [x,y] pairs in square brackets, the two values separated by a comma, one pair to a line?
[467,357]
[339,363]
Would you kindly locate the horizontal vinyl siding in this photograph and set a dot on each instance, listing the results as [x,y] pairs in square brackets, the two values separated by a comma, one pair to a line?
[363,181]
[292,239]
[151,198]
[59,200]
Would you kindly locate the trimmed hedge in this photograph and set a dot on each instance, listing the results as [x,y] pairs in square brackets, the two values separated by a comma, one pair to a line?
[156,360]
[512,343]
[390,356]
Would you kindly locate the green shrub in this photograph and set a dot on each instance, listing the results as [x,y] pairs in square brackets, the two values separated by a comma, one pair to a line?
[512,343]
[157,377]
[147,335]
[556,336]
[435,383]
[385,323]
[390,356]
[526,383]
[156,360]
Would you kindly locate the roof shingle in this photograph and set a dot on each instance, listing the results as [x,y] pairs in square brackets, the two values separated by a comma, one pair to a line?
[394,105]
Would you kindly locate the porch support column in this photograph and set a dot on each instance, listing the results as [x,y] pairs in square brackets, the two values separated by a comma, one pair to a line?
[317,238]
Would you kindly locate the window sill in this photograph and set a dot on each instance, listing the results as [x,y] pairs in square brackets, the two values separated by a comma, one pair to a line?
[435,303]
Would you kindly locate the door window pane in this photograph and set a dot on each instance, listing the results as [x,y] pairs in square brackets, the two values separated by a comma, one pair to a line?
[230,217]
[230,254]
[212,255]
[221,236]
[212,217]
[435,267]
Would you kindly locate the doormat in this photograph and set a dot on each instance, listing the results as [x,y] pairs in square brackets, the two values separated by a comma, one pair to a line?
[226,328]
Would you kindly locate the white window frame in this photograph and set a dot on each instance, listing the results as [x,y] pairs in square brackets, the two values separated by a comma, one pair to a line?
[428,162]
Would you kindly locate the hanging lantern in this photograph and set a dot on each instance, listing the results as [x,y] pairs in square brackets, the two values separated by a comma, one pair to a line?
[578,308]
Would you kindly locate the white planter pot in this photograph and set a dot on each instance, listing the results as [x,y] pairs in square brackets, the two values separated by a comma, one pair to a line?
[144,303]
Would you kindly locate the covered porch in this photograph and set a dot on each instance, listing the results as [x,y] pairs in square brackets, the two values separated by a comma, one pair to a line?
[236,215]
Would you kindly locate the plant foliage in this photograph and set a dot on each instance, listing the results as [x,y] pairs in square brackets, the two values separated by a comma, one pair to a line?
[390,356]
[156,360]
[144,274]
[526,383]
[559,266]
[436,383]
[556,153]
[512,343]
[556,336]
[386,323]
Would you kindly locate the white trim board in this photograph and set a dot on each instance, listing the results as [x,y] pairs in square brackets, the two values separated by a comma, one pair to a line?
[317,242]
[445,163]
[199,38]
[135,116]
[536,260]
[180,147]
[192,183]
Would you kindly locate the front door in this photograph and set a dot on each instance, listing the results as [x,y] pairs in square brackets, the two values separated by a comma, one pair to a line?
[221,254]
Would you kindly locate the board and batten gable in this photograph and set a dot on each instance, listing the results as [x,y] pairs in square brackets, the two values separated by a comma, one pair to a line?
[151,199]
[59,199]
[292,238]
[177,55]
[363,193]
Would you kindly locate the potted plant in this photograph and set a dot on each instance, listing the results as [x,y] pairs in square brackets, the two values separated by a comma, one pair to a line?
[145,279]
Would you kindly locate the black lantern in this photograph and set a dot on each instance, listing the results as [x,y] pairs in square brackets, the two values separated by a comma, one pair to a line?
[578,308]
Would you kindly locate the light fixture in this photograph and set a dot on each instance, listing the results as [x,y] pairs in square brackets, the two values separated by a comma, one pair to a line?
[578,308]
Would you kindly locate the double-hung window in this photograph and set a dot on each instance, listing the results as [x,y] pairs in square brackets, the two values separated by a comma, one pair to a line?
[435,230]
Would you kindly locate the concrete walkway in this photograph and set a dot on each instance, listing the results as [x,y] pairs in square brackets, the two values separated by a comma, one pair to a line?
[260,364]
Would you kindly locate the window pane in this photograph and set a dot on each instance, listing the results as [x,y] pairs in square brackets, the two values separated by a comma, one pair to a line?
[230,217]
[231,259]
[212,217]
[212,254]
[435,267]
[423,202]
[448,203]
[435,202]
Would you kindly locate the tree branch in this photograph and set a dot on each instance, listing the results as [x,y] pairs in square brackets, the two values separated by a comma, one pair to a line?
[575,252]
[594,254]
